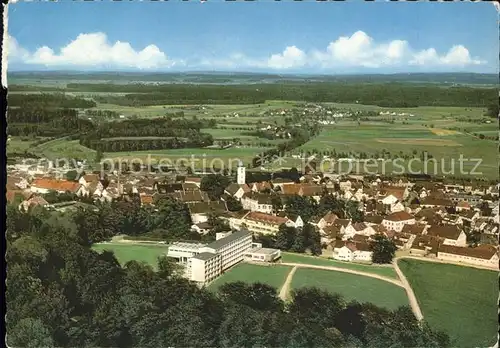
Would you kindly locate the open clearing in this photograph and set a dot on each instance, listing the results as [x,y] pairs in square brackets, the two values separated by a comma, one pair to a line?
[273,275]
[352,287]
[461,301]
[439,131]
[417,141]
[386,271]
[128,252]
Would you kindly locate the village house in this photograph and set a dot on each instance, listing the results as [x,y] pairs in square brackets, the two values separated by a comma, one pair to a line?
[462,206]
[451,234]
[280,182]
[389,195]
[146,199]
[306,190]
[424,245]
[261,186]
[257,222]
[17,182]
[396,221]
[351,251]
[201,228]
[193,180]
[433,202]
[357,228]
[327,220]
[482,255]
[190,196]
[32,202]
[237,190]
[46,185]
[87,179]
[402,240]
[200,211]
[416,229]
[257,202]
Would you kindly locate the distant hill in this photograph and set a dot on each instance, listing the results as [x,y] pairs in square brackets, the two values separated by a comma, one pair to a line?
[250,78]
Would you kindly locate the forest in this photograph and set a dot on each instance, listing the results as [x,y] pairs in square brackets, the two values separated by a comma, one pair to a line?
[148,134]
[49,100]
[46,122]
[62,293]
[381,94]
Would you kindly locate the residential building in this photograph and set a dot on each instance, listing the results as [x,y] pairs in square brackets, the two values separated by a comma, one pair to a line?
[357,228]
[237,190]
[257,202]
[451,234]
[257,222]
[396,221]
[46,185]
[352,251]
[482,255]
[199,211]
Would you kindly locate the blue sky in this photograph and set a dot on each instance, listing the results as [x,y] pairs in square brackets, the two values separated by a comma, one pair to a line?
[285,37]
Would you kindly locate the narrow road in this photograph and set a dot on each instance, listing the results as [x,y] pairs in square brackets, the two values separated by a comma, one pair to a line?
[409,291]
[285,289]
[346,270]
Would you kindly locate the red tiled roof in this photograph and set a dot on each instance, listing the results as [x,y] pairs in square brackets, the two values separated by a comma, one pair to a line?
[266,218]
[485,251]
[146,199]
[56,185]
[399,216]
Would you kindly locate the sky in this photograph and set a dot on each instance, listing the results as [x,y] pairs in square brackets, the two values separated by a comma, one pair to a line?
[261,36]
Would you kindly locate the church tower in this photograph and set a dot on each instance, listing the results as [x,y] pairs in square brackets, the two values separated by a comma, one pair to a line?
[240,179]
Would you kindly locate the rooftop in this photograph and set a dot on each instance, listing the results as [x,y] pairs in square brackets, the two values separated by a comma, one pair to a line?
[204,256]
[226,240]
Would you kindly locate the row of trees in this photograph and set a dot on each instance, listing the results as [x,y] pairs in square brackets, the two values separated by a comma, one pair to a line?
[62,293]
[386,95]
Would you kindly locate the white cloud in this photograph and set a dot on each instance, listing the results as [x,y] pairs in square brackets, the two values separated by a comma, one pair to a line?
[358,50]
[457,56]
[15,53]
[291,57]
[361,50]
[94,50]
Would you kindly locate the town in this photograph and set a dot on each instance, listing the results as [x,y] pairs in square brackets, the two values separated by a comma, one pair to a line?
[449,221]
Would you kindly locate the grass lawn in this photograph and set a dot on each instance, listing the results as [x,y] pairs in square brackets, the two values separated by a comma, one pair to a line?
[274,275]
[461,301]
[64,148]
[320,261]
[143,253]
[372,138]
[18,144]
[352,287]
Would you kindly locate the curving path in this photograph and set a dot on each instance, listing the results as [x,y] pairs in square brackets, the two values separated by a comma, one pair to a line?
[345,270]
[285,289]
[409,291]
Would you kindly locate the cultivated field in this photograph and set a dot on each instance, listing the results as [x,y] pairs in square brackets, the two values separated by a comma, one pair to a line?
[274,275]
[385,271]
[127,252]
[461,301]
[352,287]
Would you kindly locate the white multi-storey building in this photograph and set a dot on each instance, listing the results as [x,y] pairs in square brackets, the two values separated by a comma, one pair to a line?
[205,262]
